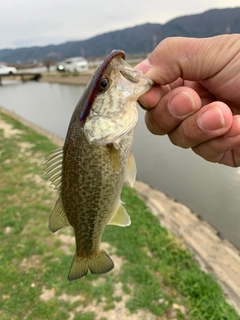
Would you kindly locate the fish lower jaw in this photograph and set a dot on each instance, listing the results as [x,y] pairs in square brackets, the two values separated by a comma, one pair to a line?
[97,142]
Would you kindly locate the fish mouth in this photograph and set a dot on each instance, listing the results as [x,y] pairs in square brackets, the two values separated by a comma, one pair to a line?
[100,73]
[117,60]
[133,75]
[129,77]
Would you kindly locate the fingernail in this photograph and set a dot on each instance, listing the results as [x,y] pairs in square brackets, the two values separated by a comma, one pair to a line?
[211,119]
[234,131]
[181,105]
[143,104]
[145,65]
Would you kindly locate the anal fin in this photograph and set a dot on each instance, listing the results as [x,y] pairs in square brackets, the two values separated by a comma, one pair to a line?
[120,217]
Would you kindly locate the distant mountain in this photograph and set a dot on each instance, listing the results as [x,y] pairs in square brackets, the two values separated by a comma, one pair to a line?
[136,40]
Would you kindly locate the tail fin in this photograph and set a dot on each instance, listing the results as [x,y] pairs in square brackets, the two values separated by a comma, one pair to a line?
[101,264]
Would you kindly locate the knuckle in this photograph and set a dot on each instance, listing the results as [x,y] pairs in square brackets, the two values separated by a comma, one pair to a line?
[207,153]
[178,141]
[182,137]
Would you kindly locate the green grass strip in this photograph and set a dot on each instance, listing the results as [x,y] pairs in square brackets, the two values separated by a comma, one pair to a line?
[157,275]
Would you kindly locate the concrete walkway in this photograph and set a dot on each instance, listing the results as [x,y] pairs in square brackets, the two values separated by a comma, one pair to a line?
[214,255]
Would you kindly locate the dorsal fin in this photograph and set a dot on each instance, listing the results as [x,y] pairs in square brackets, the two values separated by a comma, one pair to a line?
[53,167]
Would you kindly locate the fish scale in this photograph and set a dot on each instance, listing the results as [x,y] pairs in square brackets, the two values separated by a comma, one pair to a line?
[90,169]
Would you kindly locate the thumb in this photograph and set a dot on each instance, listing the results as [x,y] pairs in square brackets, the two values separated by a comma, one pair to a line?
[189,58]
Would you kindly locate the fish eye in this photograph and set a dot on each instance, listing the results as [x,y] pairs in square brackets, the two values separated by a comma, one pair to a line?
[104,84]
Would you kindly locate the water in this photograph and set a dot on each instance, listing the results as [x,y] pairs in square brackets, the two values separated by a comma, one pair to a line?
[209,189]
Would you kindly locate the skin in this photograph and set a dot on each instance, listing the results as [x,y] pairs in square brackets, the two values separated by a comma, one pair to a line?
[196,96]
[90,169]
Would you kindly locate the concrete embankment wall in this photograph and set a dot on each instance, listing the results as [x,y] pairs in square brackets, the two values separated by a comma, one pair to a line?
[214,255]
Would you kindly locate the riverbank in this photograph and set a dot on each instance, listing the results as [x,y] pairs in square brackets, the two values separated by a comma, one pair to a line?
[216,256]
[67,78]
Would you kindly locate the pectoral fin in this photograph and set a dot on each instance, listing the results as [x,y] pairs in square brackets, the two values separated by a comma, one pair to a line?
[120,217]
[131,171]
[58,218]
[114,158]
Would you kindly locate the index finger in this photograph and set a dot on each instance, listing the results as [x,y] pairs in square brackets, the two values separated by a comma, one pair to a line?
[189,58]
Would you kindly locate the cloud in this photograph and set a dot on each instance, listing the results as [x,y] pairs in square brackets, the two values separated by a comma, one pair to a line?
[29,23]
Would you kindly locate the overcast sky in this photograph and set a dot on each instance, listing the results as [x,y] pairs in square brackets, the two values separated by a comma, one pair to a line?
[42,22]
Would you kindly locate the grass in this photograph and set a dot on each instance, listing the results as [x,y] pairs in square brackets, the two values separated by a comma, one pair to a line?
[156,277]
[65,74]
[68,74]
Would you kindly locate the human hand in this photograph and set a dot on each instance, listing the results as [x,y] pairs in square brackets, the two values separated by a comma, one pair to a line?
[196,96]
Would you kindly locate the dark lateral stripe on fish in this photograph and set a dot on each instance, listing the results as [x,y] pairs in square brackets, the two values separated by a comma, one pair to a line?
[93,91]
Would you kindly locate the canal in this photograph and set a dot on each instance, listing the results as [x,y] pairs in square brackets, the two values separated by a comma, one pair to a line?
[210,190]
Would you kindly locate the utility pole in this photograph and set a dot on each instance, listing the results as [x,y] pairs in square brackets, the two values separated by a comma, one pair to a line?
[154,40]
[228,28]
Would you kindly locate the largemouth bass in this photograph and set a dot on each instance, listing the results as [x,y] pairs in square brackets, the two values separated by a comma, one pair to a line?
[96,158]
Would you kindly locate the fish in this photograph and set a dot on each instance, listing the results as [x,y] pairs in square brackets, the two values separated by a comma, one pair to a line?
[95,161]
